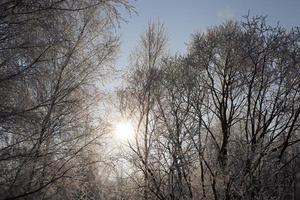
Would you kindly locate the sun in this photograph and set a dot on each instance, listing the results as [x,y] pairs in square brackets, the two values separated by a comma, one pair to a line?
[124,131]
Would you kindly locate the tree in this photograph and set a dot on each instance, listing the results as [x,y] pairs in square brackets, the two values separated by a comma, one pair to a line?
[138,98]
[51,55]
[246,70]
[224,118]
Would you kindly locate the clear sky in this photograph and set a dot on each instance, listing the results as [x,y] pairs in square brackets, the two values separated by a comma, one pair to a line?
[183,17]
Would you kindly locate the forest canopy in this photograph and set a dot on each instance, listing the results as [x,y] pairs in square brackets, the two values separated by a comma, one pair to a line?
[220,121]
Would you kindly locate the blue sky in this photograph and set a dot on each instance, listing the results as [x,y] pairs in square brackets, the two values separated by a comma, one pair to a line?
[183,17]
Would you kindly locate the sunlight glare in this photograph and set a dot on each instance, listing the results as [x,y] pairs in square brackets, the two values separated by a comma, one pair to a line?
[124,131]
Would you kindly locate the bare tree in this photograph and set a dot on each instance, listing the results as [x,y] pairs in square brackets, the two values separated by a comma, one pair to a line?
[51,55]
[251,101]
[139,97]
[221,122]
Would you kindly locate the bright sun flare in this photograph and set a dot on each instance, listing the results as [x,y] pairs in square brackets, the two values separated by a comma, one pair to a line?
[124,131]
